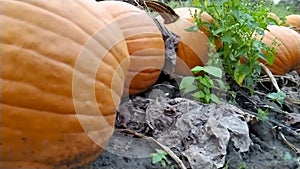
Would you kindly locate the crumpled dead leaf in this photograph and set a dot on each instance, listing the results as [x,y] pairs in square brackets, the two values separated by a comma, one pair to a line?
[205,131]
[200,131]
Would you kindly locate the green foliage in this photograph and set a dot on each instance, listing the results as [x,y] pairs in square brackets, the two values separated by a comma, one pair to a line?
[159,157]
[278,96]
[283,8]
[262,114]
[288,157]
[236,23]
[201,85]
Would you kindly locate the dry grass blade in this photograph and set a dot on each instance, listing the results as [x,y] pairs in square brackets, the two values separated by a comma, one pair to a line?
[271,76]
[289,143]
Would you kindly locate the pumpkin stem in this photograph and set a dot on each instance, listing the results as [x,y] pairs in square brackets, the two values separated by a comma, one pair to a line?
[166,12]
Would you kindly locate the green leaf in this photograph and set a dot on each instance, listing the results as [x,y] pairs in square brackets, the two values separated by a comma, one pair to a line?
[199,95]
[206,90]
[257,68]
[249,80]
[207,98]
[187,84]
[220,3]
[222,84]
[215,99]
[226,38]
[163,163]
[262,115]
[194,28]
[156,158]
[278,96]
[242,50]
[235,12]
[212,70]
[197,69]
[206,82]
[241,72]
[159,156]
[161,152]
[287,156]
[216,32]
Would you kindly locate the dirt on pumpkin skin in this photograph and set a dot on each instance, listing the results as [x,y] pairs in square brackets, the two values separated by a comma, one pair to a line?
[207,135]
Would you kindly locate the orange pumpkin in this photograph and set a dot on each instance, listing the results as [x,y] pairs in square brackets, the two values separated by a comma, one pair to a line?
[192,49]
[293,21]
[287,47]
[145,45]
[189,12]
[63,65]
[275,17]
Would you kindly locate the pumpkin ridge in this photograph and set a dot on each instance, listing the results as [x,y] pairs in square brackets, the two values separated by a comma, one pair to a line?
[51,130]
[49,93]
[55,32]
[292,53]
[95,16]
[283,41]
[64,19]
[83,74]
[286,51]
[58,161]
[124,29]
[277,58]
[54,112]
[148,72]
[44,54]
[131,9]
[72,119]
[54,11]
[274,36]
[142,57]
[88,9]
[42,28]
[35,53]
[126,13]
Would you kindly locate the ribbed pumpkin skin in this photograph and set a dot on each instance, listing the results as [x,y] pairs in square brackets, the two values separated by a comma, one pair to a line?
[40,44]
[144,42]
[293,21]
[288,51]
[275,17]
[188,12]
[192,49]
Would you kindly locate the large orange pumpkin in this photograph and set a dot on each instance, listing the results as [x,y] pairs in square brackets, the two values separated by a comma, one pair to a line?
[63,65]
[287,44]
[275,17]
[293,21]
[192,49]
[145,45]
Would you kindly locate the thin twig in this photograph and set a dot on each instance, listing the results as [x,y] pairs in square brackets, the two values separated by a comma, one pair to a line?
[292,101]
[165,148]
[289,143]
[271,76]
[282,126]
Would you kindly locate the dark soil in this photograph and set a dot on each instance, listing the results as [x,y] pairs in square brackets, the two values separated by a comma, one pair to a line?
[207,135]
